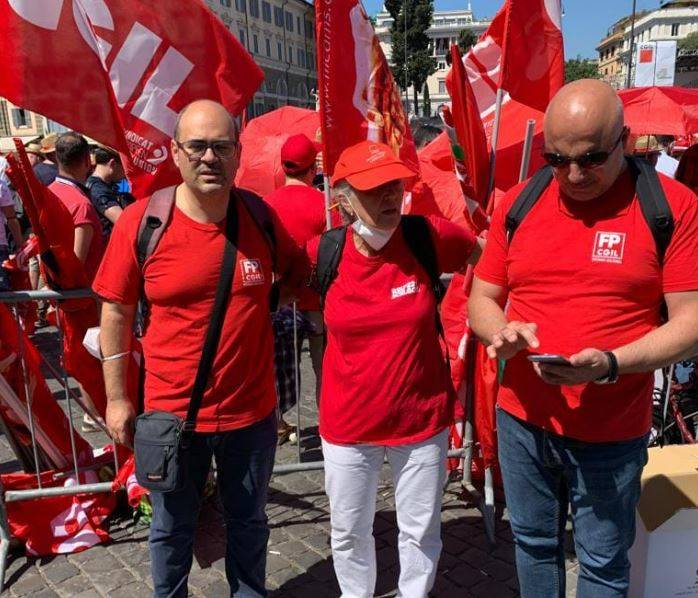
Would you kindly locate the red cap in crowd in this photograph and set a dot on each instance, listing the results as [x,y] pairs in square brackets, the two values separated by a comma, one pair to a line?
[370,164]
[298,153]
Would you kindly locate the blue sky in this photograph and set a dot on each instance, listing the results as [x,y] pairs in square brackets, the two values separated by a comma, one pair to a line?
[584,24]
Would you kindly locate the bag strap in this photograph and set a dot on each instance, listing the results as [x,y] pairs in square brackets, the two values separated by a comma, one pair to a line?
[152,226]
[653,203]
[415,230]
[329,254]
[261,214]
[213,334]
[527,199]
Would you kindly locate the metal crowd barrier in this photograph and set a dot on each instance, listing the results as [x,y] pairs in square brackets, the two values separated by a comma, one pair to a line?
[485,504]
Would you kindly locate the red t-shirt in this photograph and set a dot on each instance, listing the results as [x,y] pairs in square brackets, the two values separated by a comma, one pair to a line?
[83,212]
[302,211]
[588,274]
[180,284]
[384,379]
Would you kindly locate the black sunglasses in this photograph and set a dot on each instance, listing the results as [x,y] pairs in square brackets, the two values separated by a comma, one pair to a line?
[588,160]
[195,149]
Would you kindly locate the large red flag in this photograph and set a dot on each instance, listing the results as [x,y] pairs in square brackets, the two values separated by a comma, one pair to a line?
[358,96]
[522,52]
[469,131]
[120,72]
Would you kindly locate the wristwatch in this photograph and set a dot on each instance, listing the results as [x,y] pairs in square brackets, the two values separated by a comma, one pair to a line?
[611,376]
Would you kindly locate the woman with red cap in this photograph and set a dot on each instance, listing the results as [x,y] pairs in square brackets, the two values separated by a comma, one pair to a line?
[386,388]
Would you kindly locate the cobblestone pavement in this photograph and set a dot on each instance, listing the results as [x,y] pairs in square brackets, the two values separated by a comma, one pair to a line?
[299,561]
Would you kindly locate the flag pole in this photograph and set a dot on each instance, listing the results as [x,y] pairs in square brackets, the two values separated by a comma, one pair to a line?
[632,43]
[493,145]
[528,144]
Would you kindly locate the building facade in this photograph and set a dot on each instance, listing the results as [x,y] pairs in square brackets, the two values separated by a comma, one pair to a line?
[444,31]
[18,122]
[673,20]
[280,36]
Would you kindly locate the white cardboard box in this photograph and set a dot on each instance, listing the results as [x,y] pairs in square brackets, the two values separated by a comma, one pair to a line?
[664,558]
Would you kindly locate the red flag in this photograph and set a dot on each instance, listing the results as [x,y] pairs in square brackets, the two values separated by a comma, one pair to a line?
[469,131]
[521,52]
[358,97]
[120,72]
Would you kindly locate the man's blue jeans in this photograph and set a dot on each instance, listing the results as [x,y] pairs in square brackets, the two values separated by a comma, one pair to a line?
[544,474]
[244,460]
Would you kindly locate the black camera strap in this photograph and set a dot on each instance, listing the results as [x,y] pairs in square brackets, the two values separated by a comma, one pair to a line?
[213,334]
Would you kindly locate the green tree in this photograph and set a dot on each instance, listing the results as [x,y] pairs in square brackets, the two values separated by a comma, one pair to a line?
[690,42]
[426,101]
[411,42]
[466,40]
[580,68]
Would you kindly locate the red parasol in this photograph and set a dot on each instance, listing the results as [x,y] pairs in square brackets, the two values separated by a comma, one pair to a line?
[260,162]
[661,110]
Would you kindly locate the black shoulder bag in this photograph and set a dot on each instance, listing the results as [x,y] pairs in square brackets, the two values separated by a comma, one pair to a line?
[162,439]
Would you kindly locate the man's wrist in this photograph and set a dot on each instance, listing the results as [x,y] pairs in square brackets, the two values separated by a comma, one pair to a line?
[611,375]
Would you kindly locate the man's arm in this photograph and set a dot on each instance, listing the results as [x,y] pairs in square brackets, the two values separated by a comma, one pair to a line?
[13,224]
[112,213]
[115,338]
[504,339]
[671,342]
[81,243]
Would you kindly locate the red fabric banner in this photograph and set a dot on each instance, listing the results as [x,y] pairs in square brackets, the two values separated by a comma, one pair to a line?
[358,96]
[120,72]
[469,131]
[522,52]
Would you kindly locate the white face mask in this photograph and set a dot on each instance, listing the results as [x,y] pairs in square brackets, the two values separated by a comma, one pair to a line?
[377,238]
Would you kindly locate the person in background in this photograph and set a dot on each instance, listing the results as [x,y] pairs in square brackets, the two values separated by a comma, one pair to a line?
[7,217]
[103,185]
[687,170]
[302,210]
[46,170]
[74,166]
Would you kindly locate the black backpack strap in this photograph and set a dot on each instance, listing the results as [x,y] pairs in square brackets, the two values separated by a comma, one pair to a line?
[329,254]
[654,204]
[153,223]
[415,230]
[213,333]
[527,199]
[261,214]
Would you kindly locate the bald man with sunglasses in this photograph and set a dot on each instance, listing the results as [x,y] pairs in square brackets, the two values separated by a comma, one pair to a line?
[583,279]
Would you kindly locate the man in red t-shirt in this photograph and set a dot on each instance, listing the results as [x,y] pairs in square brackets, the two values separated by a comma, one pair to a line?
[302,210]
[74,166]
[582,278]
[236,421]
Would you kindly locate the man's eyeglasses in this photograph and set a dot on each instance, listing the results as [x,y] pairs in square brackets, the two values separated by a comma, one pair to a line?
[195,149]
[588,160]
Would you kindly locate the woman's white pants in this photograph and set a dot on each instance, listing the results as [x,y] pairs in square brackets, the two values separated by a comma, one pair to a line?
[351,482]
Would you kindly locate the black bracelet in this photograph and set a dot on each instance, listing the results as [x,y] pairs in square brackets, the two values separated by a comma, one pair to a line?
[612,375]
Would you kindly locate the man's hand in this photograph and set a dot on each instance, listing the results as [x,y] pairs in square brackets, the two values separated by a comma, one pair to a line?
[512,338]
[587,365]
[120,418]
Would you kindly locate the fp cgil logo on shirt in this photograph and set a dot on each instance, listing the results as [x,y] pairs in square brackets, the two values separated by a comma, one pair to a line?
[608,247]
[252,273]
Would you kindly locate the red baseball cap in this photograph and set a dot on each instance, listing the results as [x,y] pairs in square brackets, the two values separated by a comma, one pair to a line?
[298,153]
[370,164]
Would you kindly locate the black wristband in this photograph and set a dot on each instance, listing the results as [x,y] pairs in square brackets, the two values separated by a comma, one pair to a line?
[612,376]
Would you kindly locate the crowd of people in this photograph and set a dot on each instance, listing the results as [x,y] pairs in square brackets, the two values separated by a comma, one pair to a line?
[577,292]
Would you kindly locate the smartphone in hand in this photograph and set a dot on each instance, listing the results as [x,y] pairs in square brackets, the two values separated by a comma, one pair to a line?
[549,358]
